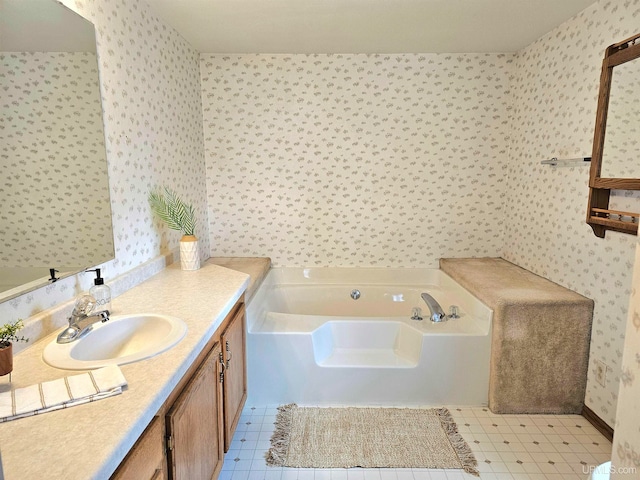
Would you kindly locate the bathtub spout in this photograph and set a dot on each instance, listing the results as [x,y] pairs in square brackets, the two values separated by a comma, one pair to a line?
[437,314]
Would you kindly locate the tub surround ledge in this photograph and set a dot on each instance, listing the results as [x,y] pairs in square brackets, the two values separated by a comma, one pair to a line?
[540,339]
[256,267]
[90,441]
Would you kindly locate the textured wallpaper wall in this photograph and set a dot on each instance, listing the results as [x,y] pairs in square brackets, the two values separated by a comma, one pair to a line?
[555,98]
[345,160]
[400,159]
[52,108]
[153,124]
[626,441]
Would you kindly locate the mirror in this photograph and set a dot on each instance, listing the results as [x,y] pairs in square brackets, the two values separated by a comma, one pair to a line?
[621,151]
[615,163]
[56,211]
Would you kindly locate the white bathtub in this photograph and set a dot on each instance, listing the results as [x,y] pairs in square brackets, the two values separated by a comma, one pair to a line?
[309,342]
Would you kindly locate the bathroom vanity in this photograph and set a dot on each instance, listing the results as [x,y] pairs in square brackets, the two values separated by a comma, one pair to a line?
[193,428]
[124,436]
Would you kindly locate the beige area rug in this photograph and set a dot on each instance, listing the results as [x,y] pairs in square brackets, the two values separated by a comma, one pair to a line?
[313,437]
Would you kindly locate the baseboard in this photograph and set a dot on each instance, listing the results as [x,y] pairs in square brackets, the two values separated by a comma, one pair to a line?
[597,422]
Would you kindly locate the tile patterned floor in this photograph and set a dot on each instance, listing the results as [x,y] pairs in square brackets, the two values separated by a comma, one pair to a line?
[507,447]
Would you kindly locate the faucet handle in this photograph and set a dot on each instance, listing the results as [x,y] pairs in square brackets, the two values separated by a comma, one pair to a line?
[416,313]
[84,306]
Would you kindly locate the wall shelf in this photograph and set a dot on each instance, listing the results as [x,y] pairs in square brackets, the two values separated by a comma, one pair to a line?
[599,216]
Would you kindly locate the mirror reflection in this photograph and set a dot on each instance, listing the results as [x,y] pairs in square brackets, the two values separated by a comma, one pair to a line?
[55,210]
[621,150]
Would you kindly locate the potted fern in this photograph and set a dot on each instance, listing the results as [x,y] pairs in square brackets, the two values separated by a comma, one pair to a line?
[9,334]
[178,215]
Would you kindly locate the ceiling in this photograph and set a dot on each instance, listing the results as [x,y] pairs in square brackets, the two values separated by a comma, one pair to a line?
[364,26]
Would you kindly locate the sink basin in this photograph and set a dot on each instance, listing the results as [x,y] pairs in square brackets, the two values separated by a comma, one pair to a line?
[123,339]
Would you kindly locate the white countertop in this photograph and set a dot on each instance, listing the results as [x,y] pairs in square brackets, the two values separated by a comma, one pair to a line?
[89,441]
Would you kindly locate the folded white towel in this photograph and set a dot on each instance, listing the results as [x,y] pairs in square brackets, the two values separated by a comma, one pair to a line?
[61,393]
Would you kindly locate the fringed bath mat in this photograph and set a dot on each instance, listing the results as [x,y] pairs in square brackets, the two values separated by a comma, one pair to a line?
[311,437]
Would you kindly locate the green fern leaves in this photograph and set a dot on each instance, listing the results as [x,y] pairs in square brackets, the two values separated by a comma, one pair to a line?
[172,210]
[9,333]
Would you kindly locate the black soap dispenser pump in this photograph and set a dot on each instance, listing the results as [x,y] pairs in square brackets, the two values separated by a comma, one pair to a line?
[101,292]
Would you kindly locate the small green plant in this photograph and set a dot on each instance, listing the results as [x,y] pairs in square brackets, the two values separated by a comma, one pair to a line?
[8,333]
[172,210]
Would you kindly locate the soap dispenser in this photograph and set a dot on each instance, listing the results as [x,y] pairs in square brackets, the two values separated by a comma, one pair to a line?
[101,292]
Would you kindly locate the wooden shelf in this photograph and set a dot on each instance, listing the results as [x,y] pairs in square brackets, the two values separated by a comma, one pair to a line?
[599,216]
[616,225]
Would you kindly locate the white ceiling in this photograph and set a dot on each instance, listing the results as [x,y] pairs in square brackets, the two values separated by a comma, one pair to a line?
[364,26]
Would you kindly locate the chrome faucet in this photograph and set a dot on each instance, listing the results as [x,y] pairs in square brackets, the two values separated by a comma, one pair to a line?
[81,320]
[437,314]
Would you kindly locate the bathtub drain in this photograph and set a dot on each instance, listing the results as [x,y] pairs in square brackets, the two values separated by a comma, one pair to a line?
[355,294]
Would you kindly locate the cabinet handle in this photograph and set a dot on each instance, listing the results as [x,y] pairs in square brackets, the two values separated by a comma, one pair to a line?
[228,354]
[223,367]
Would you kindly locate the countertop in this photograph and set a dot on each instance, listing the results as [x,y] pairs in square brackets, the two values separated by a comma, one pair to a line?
[256,267]
[90,441]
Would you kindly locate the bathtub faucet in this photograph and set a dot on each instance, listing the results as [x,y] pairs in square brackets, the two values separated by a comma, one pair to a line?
[437,314]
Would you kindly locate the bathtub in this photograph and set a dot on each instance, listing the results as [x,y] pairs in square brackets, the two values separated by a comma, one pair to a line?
[310,342]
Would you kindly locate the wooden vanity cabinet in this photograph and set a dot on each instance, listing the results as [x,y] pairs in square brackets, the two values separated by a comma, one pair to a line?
[145,460]
[187,438]
[235,375]
[194,425]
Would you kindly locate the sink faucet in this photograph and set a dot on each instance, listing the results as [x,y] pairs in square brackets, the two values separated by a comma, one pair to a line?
[82,319]
[437,314]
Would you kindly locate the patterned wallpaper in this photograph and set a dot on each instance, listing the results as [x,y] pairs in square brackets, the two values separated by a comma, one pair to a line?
[343,160]
[400,159]
[150,86]
[555,97]
[52,108]
[626,441]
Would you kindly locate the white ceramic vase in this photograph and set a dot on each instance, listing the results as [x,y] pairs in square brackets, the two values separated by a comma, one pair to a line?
[189,254]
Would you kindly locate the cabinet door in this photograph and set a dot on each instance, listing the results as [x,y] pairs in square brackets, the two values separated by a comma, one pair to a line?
[235,374]
[145,460]
[194,425]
